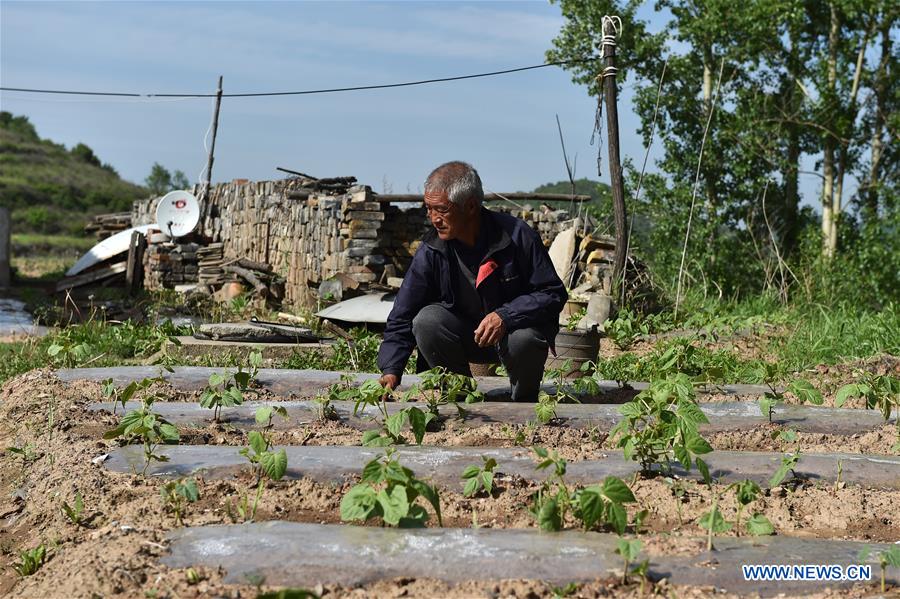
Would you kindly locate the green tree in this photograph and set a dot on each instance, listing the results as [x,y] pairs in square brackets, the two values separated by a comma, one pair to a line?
[798,80]
[161,181]
[85,154]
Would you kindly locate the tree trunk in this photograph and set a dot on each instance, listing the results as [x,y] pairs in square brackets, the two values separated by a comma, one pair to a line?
[837,200]
[870,199]
[829,218]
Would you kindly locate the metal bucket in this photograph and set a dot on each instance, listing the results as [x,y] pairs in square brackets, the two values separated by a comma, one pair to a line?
[578,346]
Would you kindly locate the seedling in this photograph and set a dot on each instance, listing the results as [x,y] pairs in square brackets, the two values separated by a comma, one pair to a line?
[886,557]
[176,495]
[30,560]
[801,389]
[746,493]
[604,504]
[372,394]
[27,453]
[560,592]
[551,502]
[679,491]
[788,463]
[629,550]
[75,513]
[219,393]
[440,387]
[263,459]
[147,426]
[838,483]
[881,392]
[545,408]
[341,391]
[661,423]
[713,522]
[624,330]
[389,490]
[125,395]
[479,477]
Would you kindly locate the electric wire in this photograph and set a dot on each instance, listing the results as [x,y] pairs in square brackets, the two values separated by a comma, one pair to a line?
[302,92]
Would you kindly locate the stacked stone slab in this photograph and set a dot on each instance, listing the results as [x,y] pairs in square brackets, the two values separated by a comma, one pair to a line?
[308,238]
[169,264]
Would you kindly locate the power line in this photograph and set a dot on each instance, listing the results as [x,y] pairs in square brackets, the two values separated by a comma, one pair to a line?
[298,93]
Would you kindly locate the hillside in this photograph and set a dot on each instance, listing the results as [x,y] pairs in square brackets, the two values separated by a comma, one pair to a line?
[51,189]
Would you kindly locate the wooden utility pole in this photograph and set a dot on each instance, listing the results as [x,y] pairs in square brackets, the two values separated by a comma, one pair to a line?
[611,26]
[212,145]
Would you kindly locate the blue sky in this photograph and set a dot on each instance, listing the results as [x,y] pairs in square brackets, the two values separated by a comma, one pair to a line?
[504,125]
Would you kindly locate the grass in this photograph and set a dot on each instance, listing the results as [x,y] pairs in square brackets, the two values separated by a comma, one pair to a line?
[46,243]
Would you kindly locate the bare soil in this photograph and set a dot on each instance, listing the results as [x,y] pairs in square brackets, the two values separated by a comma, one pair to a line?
[115,551]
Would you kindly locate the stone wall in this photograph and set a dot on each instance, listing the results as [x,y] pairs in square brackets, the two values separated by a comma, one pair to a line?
[167,265]
[309,239]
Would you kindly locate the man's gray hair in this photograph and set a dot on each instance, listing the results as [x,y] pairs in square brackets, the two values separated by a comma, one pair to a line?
[459,180]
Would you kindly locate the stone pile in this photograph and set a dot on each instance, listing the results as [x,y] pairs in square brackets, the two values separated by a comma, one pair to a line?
[168,264]
[309,236]
[209,262]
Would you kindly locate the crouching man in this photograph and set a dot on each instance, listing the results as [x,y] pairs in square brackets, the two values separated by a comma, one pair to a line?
[481,288]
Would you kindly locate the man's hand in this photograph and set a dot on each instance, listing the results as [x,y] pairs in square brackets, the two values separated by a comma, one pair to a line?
[389,381]
[490,331]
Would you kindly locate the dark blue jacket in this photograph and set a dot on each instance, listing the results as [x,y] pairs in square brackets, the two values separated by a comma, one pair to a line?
[516,280]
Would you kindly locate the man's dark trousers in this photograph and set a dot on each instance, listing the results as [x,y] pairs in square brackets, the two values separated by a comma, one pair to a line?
[446,339]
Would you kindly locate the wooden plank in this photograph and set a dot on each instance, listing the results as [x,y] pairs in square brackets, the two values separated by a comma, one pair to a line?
[134,269]
[91,277]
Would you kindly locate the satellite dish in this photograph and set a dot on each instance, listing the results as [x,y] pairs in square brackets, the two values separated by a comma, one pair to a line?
[177,213]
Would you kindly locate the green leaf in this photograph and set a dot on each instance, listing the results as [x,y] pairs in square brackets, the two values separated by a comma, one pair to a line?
[618,519]
[805,392]
[615,490]
[765,407]
[704,471]
[682,455]
[471,487]
[274,463]
[545,411]
[471,471]
[359,503]
[257,442]
[216,379]
[373,472]
[394,506]
[188,490]
[713,519]
[697,445]
[548,515]
[431,495]
[418,421]
[848,391]
[487,480]
[263,415]
[629,549]
[591,506]
[759,525]
[394,423]
[169,433]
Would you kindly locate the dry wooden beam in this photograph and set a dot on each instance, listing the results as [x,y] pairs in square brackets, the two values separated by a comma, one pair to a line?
[248,276]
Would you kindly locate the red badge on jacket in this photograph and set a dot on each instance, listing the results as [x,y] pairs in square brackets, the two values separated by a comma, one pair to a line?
[485,270]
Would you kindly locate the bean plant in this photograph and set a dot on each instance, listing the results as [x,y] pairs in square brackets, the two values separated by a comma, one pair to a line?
[881,392]
[176,495]
[594,505]
[388,490]
[564,392]
[886,557]
[227,389]
[801,389]
[440,387]
[661,423]
[372,395]
[265,461]
[630,550]
[479,477]
[147,426]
